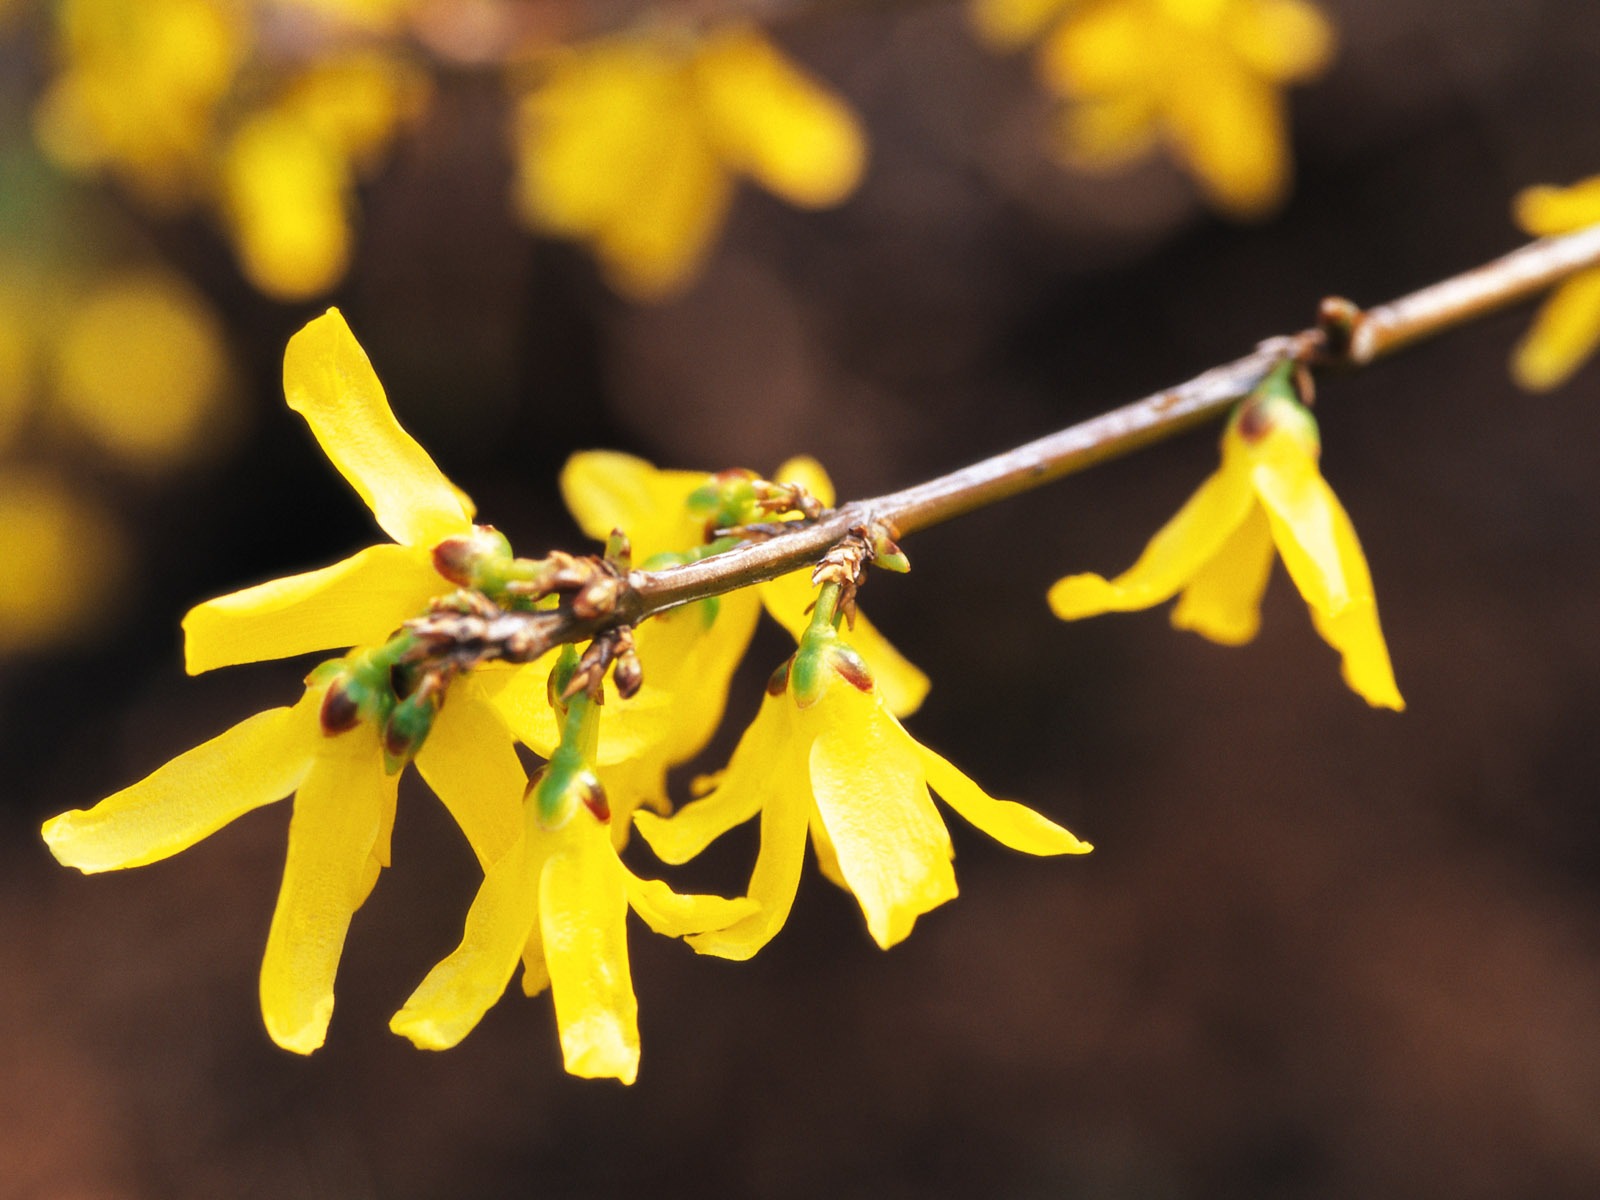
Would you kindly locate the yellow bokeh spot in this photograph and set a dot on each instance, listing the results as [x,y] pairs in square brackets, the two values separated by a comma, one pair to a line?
[140,367]
[16,367]
[63,560]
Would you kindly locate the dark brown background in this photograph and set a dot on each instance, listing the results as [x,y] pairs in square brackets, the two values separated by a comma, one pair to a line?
[1319,952]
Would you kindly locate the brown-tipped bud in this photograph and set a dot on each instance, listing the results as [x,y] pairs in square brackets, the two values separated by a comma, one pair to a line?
[627,673]
[454,558]
[851,668]
[597,597]
[340,711]
[778,681]
[619,551]
[594,799]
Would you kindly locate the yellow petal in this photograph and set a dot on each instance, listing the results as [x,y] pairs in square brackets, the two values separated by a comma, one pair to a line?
[329,381]
[1547,211]
[1282,40]
[868,785]
[1301,509]
[746,785]
[1564,334]
[605,490]
[808,473]
[1354,630]
[1229,126]
[675,914]
[535,975]
[471,763]
[1105,49]
[360,600]
[1177,552]
[774,122]
[1007,822]
[259,760]
[450,1002]
[1223,600]
[339,813]
[1106,133]
[583,909]
[776,877]
[827,856]
[1008,24]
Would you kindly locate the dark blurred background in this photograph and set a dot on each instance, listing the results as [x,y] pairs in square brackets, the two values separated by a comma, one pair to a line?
[1319,951]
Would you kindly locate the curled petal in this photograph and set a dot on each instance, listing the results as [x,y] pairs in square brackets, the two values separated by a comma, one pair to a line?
[868,786]
[259,760]
[1007,822]
[471,764]
[1223,600]
[1564,334]
[583,909]
[675,914]
[451,1001]
[359,600]
[328,380]
[776,877]
[339,815]
[1177,552]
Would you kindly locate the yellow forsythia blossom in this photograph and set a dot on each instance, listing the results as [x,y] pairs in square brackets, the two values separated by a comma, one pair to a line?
[344,792]
[1203,76]
[558,902]
[827,755]
[1217,551]
[1567,328]
[62,557]
[632,144]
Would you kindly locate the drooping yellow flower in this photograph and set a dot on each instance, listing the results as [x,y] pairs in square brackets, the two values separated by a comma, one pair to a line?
[558,902]
[344,788]
[1567,329]
[826,755]
[1218,550]
[1203,76]
[632,144]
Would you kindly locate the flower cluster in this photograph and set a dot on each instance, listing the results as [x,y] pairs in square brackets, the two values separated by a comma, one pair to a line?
[826,753]
[1202,76]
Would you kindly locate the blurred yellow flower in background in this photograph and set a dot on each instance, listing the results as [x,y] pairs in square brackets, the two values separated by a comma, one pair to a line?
[1203,76]
[63,557]
[633,143]
[1567,329]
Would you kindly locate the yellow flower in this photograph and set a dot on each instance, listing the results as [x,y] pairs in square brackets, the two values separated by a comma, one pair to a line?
[344,789]
[1567,328]
[1204,76]
[688,654]
[62,556]
[1217,551]
[558,902]
[826,754]
[632,144]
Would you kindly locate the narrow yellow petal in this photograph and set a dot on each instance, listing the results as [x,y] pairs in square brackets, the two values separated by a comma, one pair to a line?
[774,122]
[1564,334]
[338,817]
[1177,552]
[583,910]
[259,760]
[606,490]
[360,600]
[328,380]
[1007,822]
[450,1002]
[535,975]
[868,785]
[1223,600]
[1547,211]
[1229,126]
[1301,509]
[827,856]
[1283,40]
[776,877]
[676,914]
[1354,631]
[748,783]
[471,764]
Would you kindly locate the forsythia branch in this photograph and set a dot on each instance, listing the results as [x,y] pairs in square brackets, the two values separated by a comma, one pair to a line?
[1345,337]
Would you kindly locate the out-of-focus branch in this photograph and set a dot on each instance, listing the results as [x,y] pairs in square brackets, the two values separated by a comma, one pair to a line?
[1345,337]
